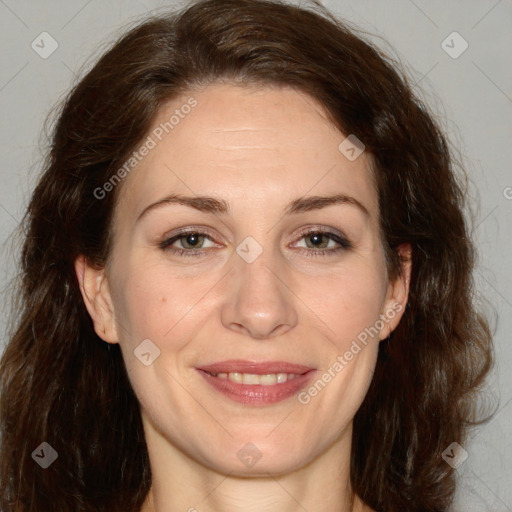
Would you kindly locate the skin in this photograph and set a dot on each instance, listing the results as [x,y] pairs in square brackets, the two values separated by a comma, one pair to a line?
[258,149]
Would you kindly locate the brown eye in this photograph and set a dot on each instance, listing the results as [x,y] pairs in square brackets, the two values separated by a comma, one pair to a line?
[322,243]
[191,243]
[192,240]
[317,240]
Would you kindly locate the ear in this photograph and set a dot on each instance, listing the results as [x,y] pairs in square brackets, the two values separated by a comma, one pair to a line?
[397,293]
[98,301]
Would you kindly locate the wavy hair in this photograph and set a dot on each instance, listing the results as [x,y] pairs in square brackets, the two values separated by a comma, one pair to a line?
[62,384]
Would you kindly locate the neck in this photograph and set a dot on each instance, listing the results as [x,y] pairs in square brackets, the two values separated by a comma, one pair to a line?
[198,488]
[266,494]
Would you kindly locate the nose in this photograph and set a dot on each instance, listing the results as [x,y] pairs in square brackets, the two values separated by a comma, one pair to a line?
[259,304]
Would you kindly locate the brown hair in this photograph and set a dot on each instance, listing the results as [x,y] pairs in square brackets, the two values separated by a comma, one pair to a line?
[62,384]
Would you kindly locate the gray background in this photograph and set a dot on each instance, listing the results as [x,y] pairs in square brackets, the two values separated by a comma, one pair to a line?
[471,95]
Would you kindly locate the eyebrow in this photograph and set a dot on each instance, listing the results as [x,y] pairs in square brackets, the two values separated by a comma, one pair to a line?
[209,204]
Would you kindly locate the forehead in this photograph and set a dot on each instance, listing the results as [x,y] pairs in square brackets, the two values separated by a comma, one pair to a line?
[256,144]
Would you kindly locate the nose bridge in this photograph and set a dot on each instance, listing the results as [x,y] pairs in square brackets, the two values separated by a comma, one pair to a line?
[260,304]
[257,272]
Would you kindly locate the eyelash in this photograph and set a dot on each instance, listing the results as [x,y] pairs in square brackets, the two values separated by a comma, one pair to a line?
[166,245]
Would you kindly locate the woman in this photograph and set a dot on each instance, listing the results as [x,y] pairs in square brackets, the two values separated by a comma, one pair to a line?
[246,281]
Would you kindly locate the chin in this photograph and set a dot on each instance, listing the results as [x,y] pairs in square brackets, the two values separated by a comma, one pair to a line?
[260,457]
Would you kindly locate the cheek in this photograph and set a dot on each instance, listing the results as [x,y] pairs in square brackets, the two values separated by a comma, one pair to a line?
[154,303]
[350,313]
[348,302]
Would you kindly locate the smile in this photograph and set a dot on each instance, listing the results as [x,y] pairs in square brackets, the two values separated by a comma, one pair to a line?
[257,384]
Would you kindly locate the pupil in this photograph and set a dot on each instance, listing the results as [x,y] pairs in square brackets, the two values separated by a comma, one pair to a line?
[316,240]
[192,239]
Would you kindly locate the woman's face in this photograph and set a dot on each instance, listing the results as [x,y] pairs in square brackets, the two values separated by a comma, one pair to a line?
[247,243]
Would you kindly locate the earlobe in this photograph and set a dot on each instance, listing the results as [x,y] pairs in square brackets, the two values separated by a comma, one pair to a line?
[398,292]
[97,299]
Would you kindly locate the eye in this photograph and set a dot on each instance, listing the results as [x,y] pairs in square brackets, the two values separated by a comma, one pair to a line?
[191,241]
[319,242]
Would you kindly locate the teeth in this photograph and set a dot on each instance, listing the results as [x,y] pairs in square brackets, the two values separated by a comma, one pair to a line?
[269,380]
[251,378]
[236,377]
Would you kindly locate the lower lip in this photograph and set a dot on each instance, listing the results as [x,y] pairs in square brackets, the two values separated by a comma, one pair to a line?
[256,394]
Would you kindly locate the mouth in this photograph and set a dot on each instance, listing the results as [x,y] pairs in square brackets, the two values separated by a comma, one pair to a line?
[253,383]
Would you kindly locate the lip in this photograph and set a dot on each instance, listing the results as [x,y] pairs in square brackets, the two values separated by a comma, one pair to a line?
[257,394]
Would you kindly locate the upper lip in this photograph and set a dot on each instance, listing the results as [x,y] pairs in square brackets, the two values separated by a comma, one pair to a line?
[256,368]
